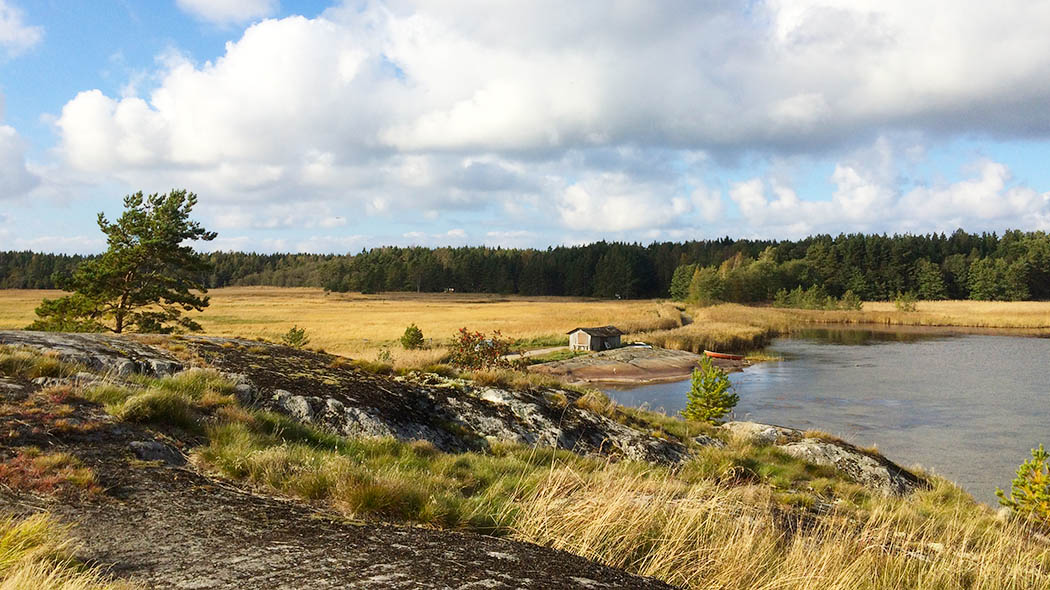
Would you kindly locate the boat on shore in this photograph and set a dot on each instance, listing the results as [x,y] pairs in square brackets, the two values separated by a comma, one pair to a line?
[722,355]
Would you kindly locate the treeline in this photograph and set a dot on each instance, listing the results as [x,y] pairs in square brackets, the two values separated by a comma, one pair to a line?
[1015,265]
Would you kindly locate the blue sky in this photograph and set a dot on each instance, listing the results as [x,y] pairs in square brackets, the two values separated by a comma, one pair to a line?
[332,126]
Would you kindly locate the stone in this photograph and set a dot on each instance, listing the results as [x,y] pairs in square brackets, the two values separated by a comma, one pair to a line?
[297,406]
[868,469]
[8,386]
[761,434]
[154,450]
[708,441]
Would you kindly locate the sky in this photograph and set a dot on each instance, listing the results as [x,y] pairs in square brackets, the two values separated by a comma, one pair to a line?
[320,126]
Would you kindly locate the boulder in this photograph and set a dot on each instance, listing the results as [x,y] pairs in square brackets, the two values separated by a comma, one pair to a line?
[866,468]
[154,450]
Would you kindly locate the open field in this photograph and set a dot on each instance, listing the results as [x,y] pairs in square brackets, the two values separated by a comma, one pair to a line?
[364,325]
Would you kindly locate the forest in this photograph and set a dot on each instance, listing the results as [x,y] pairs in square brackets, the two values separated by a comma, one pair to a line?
[986,266]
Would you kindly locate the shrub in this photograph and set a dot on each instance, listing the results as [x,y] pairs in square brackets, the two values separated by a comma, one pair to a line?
[905,301]
[850,301]
[412,339]
[295,337]
[1030,490]
[472,350]
[712,395]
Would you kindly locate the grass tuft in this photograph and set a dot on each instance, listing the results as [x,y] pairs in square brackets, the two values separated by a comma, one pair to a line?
[35,553]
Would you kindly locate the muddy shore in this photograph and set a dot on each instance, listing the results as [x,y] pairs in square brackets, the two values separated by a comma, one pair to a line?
[631,364]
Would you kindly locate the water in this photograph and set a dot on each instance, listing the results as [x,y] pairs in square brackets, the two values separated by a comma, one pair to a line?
[968,407]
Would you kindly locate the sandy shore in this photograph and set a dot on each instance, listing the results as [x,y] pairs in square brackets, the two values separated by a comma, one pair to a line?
[631,365]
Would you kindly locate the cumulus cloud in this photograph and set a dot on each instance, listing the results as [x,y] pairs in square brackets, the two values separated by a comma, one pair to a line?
[985,200]
[16,178]
[226,12]
[613,202]
[16,36]
[605,118]
[78,244]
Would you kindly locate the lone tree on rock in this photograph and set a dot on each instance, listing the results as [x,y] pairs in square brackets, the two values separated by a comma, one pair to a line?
[146,278]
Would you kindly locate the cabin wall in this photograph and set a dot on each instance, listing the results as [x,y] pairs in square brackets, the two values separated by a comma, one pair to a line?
[579,341]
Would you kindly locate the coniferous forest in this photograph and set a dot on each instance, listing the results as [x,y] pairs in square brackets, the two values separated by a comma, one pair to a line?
[986,266]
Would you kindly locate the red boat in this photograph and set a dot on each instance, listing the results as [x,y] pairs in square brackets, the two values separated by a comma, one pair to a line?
[722,355]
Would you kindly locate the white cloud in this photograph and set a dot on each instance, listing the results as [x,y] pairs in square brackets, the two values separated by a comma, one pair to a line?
[226,12]
[604,119]
[16,178]
[613,202]
[862,203]
[78,244]
[16,36]
[987,197]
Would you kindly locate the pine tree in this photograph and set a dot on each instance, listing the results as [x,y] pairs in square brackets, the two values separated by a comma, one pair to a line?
[930,280]
[146,278]
[712,395]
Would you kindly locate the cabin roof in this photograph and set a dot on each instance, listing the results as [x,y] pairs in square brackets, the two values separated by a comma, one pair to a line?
[601,332]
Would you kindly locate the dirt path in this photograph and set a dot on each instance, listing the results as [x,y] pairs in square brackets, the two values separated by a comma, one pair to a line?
[173,527]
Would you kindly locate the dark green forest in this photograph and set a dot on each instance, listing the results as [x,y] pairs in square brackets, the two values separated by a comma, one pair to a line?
[1013,266]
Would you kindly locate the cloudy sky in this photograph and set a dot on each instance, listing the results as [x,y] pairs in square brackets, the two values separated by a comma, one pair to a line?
[321,127]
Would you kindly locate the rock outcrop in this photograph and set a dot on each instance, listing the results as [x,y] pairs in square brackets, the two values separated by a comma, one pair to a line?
[100,353]
[868,469]
[327,391]
[630,364]
[452,414]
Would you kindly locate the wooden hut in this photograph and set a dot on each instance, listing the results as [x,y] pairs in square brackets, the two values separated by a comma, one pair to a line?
[602,338]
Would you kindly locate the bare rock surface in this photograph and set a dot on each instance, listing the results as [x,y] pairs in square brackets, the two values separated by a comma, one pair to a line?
[868,469]
[100,353]
[630,364]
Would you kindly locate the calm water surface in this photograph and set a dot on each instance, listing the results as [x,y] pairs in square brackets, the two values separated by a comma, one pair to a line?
[968,407]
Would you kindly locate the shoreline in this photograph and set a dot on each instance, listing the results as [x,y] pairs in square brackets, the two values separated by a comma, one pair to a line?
[632,366]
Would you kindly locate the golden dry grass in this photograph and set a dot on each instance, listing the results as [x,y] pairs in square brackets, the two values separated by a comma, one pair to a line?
[35,554]
[707,535]
[365,325]
[362,325]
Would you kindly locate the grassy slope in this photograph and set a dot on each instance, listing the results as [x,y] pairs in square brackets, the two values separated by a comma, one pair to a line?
[738,517]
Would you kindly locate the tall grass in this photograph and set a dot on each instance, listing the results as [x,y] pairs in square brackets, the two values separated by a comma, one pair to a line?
[35,554]
[178,400]
[707,535]
[30,364]
[382,478]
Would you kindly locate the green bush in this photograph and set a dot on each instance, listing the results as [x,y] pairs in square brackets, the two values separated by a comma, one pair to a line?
[1030,492]
[295,337]
[905,301]
[412,338]
[712,395]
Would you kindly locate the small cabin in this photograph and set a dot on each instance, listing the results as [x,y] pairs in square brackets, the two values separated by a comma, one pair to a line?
[602,338]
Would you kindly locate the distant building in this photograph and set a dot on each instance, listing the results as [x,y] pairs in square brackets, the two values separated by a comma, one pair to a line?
[602,338]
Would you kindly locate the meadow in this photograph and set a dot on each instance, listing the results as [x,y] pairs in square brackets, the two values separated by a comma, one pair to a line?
[368,326]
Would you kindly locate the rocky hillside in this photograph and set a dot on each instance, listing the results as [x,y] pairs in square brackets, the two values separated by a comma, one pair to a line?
[291,468]
[451,413]
[145,514]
